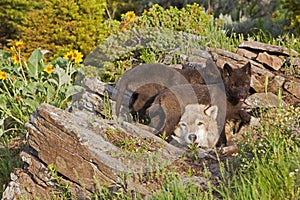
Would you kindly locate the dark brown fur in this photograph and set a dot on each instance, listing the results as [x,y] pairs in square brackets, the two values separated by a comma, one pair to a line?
[143,97]
[167,108]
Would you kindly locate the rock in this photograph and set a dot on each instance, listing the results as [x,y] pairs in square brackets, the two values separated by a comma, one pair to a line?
[24,187]
[258,46]
[293,61]
[276,83]
[247,54]
[262,100]
[293,88]
[272,61]
[257,83]
[261,72]
[222,56]
[176,66]
[198,181]
[83,155]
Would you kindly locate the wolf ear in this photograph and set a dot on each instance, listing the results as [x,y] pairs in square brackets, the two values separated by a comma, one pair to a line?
[247,68]
[227,70]
[212,111]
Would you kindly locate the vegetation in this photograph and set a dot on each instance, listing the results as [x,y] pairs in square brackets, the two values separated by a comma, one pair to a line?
[268,167]
[11,14]
[292,8]
[264,168]
[24,85]
[27,83]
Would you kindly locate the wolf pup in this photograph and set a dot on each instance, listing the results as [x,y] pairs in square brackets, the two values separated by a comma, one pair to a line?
[143,97]
[146,81]
[198,125]
[167,108]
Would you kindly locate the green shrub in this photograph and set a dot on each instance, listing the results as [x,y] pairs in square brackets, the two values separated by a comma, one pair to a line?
[11,14]
[191,19]
[292,8]
[25,84]
[60,26]
[156,34]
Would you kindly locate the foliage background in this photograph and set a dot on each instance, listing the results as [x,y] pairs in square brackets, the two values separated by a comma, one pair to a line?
[60,26]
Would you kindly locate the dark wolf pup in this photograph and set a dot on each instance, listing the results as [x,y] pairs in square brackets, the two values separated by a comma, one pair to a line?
[143,96]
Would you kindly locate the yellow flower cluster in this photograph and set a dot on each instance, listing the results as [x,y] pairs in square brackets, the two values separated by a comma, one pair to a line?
[19,44]
[130,15]
[16,59]
[74,56]
[3,75]
[49,69]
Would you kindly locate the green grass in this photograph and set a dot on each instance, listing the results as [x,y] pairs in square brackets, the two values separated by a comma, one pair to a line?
[267,167]
[9,159]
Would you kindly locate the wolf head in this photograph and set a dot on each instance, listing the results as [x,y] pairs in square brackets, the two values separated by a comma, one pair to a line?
[237,82]
[198,125]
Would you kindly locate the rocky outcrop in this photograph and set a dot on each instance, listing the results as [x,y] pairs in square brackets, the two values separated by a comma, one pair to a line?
[77,150]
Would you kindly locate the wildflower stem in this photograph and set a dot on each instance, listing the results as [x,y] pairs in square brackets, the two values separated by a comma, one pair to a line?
[16,119]
[8,92]
[14,92]
[20,113]
[21,67]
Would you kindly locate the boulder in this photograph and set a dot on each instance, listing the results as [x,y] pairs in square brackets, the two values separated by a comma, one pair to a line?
[271,61]
[277,50]
[263,100]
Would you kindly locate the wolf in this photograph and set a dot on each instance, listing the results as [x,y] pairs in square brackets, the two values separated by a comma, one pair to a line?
[143,96]
[198,125]
[146,81]
[167,107]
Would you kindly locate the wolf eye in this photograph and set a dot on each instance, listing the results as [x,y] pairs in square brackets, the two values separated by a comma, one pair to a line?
[182,124]
[199,123]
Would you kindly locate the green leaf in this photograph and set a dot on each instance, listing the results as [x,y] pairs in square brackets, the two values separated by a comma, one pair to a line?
[50,92]
[51,80]
[74,89]
[4,55]
[32,104]
[35,63]
[61,62]
[63,77]
[35,87]
[19,84]
[3,100]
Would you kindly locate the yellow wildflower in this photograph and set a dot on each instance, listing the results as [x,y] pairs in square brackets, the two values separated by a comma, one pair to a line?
[19,44]
[48,69]
[130,15]
[3,75]
[16,59]
[69,55]
[77,56]
[13,48]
